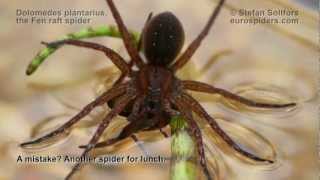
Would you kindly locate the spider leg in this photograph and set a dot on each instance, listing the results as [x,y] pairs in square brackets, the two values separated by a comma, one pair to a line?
[102,126]
[127,38]
[136,123]
[110,142]
[131,62]
[128,131]
[203,87]
[184,58]
[159,126]
[193,129]
[136,140]
[165,135]
[111,54]
[113,92]
[103,143]
[191,103]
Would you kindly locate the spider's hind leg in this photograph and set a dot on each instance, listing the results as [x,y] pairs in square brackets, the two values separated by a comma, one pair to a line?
[115,91]
[192,104]
[112,141]
[136,123]
[206,88]
[99,131]
[192,129]
[128,131]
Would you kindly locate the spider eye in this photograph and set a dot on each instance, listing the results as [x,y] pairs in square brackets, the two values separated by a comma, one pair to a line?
[163,39]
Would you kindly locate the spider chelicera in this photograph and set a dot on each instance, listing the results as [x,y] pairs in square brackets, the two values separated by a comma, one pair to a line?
[153,94]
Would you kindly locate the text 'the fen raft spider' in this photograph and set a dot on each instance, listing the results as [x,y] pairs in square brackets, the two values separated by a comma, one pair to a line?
[153,92]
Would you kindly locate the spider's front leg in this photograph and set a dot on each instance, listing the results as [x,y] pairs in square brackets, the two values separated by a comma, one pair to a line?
[139,47]
[127,39]
[193,129]
[206,88]
[116,59]
[194,45]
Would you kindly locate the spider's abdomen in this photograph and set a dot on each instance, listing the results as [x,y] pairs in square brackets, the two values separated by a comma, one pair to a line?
[163,39]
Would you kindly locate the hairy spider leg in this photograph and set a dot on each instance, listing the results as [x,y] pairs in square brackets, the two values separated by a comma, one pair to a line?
[193,129]
[111,54]
[110,142]
[165,135]
[111,93]
[102,126]
[127,131]
[136,123]
[127,38]
[206,88]
[192,104]
[137,141]
[139,46]
[185,57]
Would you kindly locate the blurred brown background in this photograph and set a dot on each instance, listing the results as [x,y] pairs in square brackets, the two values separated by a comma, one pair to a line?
[276,63]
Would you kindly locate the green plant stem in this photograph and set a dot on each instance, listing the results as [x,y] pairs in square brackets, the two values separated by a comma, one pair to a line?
[183,153]
[108,31]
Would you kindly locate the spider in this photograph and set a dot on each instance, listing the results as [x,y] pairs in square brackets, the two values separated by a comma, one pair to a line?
[153,94]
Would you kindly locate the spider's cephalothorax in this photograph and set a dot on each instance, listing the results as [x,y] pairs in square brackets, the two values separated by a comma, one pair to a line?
[152,94]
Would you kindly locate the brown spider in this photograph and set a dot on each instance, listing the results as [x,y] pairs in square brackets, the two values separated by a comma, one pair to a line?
[153,94]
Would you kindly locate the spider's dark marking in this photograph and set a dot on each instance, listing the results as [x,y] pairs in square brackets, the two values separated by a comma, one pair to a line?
[153,94]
